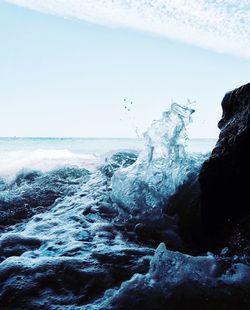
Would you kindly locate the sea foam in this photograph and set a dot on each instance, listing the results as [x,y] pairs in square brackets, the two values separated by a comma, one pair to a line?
[44,160]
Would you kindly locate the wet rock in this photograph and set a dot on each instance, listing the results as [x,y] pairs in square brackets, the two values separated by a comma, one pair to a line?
[239,240]
[224,176]
[186,204]
[154,235]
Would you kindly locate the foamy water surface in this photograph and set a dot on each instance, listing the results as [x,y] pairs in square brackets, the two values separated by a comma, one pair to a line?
[50,153]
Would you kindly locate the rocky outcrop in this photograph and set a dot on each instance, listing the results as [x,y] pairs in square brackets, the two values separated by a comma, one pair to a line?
[224,177]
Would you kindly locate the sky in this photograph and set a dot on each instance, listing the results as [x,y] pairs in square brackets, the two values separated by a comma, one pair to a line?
[69,68]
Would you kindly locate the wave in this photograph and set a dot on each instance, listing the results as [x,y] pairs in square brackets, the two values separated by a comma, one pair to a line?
[79,239]
[11,162]
[161,167]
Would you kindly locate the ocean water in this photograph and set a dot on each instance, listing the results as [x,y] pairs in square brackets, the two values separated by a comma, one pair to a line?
[88,224]
[49,153]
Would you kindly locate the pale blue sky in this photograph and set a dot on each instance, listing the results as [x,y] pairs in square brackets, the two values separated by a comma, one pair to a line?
[68,77]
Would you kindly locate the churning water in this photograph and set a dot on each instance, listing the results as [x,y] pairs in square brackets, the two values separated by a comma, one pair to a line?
[80,221]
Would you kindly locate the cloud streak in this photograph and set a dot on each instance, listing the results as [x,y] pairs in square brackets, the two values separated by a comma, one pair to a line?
[219,25]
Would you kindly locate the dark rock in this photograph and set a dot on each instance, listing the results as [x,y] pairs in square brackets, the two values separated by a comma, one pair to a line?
[186,204]
[224,177]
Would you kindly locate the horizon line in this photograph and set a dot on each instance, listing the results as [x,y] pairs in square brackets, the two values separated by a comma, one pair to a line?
[89,137]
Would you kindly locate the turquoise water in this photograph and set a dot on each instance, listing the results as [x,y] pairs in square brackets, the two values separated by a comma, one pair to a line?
[90,145]
[75,145]
[49,153]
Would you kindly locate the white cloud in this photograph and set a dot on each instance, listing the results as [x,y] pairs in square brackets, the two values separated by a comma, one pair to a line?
[220,25]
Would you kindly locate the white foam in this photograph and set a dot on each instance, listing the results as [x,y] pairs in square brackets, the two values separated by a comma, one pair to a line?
[44,160]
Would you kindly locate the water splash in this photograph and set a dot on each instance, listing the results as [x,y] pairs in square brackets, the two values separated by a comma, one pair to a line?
[64,238]
[160,168]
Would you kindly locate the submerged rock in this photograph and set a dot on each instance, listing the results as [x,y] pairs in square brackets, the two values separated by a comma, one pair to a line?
[224,176]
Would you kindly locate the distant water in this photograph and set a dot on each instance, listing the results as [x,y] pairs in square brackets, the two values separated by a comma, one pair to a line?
[49,153]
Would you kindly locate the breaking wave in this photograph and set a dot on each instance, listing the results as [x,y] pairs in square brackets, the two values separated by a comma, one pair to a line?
[79,239]
[161,167]
[11,162]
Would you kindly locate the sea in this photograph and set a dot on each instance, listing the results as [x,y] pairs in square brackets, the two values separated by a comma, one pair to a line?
[89,224]
[50,153]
